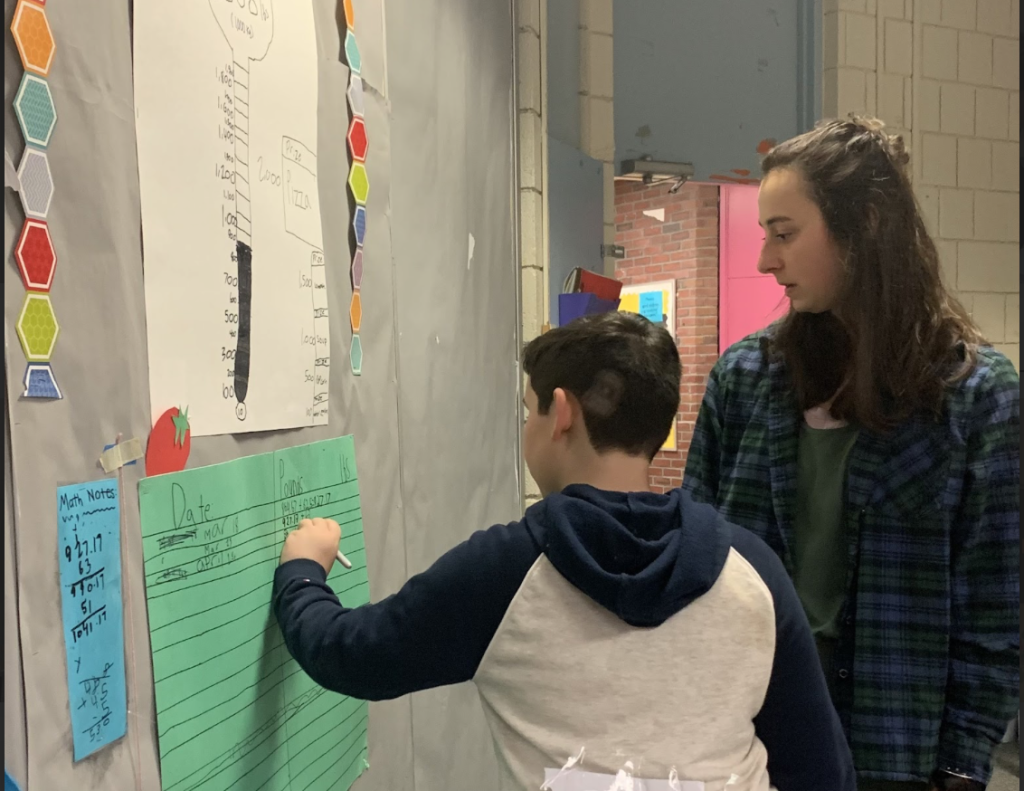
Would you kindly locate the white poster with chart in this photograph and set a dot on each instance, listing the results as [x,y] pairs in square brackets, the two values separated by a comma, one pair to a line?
[236,300]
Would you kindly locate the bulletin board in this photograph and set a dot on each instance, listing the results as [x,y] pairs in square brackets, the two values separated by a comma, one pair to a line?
[636,298]
[434,412]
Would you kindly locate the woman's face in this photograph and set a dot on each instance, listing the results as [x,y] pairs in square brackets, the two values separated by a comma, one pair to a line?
[798,250]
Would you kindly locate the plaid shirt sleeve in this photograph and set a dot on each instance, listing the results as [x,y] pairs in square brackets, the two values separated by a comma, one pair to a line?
[702,459]
[983,682]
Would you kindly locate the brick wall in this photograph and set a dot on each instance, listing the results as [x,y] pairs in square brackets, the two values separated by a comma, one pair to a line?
[685,248]
[947,74]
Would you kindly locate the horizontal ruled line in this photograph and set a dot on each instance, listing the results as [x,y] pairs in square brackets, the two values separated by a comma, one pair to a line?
[162,679]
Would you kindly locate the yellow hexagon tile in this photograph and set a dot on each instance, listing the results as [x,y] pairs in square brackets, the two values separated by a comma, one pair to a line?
[359,183]
[37,327]
[32,34]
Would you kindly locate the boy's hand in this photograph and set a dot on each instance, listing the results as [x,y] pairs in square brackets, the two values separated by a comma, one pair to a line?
[314,539]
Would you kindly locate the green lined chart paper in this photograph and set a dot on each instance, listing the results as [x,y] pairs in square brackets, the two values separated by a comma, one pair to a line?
[234,710]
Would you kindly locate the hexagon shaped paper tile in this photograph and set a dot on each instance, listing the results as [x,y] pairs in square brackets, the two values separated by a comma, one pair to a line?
[36,183]
[355,353]
[350,14]
[31,31]
[352,57]
[37,327]
[33,105]
[39,382]
[359,183]
[359,224]
[35,256]
[355,311]
[357,143]
[355,94]
[357,268]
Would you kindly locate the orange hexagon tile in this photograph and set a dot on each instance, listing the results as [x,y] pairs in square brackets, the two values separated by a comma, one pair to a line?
[37,327]
[31,31]
[355,311]
[350,14]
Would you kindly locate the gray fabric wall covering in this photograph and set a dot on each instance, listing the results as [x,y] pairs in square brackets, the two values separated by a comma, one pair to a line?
[435,414]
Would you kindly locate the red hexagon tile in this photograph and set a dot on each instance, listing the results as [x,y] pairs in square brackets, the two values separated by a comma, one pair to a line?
[35,256]
[357,143]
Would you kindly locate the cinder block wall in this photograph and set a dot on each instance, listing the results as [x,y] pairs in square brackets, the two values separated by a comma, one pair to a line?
[597,109]
[946,74]
[531,15]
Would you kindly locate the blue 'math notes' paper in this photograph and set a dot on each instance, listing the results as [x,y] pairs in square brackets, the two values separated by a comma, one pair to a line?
[88,532]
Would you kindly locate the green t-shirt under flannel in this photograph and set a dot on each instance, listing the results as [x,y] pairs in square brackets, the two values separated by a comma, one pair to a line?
[819,534]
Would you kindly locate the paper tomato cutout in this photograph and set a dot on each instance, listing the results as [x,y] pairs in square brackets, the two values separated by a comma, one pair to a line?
[169,443]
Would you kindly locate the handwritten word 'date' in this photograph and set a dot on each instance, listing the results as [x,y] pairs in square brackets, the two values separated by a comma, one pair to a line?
[184,514]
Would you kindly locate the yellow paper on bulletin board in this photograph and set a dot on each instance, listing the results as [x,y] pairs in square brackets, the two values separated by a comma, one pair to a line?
[629,302]
[670,442]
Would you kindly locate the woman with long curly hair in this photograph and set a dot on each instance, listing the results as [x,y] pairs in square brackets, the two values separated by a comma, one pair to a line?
[872,438]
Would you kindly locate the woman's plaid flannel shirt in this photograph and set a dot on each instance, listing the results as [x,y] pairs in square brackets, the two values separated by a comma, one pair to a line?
[927,669]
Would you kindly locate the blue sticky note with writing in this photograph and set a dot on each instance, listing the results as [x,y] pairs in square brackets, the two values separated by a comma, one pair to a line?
[89,543]
[650,306]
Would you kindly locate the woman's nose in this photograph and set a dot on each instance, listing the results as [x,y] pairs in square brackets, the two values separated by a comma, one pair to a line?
[767,262]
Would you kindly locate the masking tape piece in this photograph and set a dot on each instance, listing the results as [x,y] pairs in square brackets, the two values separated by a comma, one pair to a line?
[121,454]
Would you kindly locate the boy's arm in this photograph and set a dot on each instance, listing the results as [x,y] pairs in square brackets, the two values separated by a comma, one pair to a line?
[433,632]
[798,725]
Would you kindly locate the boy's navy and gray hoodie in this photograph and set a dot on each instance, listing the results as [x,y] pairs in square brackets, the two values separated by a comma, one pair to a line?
[637,628]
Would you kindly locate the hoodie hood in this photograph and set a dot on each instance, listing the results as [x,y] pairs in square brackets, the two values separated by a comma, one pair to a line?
[641,555]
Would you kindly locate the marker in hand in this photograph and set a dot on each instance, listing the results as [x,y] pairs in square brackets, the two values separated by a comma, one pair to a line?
[344,561]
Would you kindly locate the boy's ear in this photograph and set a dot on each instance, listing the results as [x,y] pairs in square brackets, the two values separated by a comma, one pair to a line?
[563,407]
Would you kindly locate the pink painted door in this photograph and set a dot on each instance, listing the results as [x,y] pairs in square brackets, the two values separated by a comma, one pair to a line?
[747,300]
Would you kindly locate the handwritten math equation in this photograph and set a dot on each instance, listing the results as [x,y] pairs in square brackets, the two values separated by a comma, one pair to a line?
[89,517]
